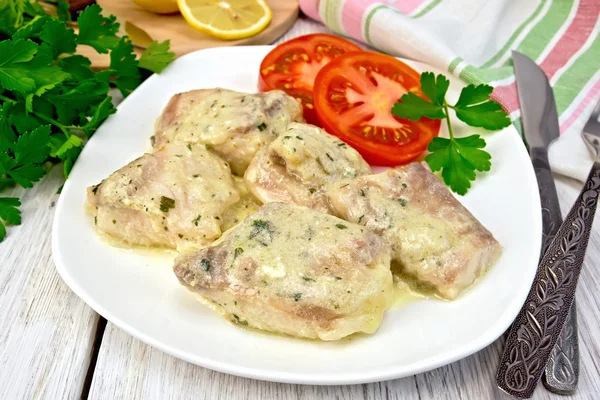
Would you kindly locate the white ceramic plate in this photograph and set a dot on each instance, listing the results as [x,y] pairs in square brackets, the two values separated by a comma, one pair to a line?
[139,293]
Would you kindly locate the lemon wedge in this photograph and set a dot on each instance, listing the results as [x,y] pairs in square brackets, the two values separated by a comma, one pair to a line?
[158,6]
[226,19]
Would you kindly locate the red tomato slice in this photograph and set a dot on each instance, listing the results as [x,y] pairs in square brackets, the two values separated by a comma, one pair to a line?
[354,95]
[292,67]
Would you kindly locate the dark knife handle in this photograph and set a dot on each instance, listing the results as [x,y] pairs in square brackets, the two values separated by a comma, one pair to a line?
[561,374]
[537,327]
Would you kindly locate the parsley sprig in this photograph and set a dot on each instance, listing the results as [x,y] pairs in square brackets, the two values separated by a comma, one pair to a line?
[51,100]
[457,158]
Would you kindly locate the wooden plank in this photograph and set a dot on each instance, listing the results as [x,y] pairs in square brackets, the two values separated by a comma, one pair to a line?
[129,369]
[46,331]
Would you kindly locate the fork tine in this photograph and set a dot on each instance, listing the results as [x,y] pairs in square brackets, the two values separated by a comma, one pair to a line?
[592,125]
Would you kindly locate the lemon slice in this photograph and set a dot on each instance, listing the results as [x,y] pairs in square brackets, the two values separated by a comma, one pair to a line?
[226,19]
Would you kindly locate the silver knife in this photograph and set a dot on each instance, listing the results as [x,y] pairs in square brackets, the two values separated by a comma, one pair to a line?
[536,330]
[540,126]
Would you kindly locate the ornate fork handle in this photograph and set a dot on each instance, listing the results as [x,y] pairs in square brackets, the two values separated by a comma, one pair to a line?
[537,327]
[562,371]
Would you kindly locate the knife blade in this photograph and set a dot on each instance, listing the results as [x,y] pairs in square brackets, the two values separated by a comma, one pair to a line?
[540,126]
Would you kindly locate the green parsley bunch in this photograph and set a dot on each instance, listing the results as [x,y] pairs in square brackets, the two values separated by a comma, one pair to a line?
[457,158]
[51,101]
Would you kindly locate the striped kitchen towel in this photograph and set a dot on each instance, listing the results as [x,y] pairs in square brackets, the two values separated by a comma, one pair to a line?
[473,39]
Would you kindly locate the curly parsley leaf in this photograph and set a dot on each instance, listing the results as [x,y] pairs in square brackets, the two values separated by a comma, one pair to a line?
[42,70]
[15,10]
[414,107]
[60,144]
[435,88]
[29,152]
[76,98]
[62,10]
[101,112]
[156,57]
[32,147]
[123,67]
[9,214]
[13,71]
[476,109]
[96,30]
[32,28]
[61,38]
[7,134]
[79,67]
[458,159]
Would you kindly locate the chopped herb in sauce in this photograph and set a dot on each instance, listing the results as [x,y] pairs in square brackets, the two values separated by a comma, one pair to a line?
[114,221]
[341,226]
[360,218]
[217,217]
[95,190]
[341,144]
[197,220]
[195,175]
[259,226]
[404,185]
[180,236]
[262,126]
[299,138]
[95,220]
[189,146]
[402,202]
[337,278]
[312,190]
[287,137]
[322,166]
[237,252]
[297,296]
[308,279]
[328,156]
[362,193]
[166,204]
[205,264]
[166,229]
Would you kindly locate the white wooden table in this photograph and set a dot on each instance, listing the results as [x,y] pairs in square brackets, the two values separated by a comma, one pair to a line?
[53,346]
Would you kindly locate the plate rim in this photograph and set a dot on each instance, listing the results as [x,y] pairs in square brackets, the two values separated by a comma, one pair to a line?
[338,378]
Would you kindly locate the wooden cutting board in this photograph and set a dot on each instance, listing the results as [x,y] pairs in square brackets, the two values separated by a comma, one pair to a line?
[184,38]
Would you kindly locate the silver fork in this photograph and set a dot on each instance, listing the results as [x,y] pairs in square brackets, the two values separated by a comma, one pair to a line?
[591,130]
[561,374]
